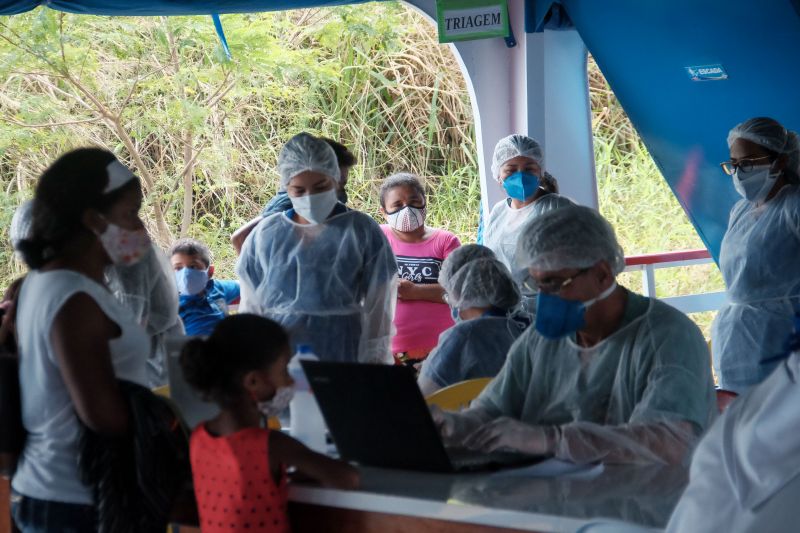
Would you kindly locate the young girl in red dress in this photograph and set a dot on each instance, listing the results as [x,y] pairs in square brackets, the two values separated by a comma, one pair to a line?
[238,465]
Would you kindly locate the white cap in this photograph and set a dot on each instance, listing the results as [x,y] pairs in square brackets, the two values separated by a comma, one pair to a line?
[118,175]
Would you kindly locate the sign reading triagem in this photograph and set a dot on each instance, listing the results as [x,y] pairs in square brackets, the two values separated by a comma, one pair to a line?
[461,20]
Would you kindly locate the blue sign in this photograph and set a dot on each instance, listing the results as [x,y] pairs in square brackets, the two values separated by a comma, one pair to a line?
[707,73]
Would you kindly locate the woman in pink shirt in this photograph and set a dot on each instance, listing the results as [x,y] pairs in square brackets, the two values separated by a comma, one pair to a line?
[421,313]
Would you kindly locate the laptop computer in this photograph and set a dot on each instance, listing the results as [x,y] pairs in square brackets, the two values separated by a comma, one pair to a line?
[377,416]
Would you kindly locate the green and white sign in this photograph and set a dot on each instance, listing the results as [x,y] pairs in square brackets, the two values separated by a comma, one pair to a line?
[464,20]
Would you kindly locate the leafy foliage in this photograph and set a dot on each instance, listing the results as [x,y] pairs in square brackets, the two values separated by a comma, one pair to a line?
[204,132]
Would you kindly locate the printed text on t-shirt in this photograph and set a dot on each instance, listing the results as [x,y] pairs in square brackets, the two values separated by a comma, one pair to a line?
[419,269]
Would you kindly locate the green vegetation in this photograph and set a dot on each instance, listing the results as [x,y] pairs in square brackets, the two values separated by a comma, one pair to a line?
[203,132]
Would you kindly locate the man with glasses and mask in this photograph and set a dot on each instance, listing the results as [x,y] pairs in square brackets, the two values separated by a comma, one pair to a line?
[605,375]
[760,254]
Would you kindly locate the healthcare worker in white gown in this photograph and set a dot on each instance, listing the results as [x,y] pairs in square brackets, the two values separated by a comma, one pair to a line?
[324,272]
[605,374]
[745,474]
[760,254]
[517,166]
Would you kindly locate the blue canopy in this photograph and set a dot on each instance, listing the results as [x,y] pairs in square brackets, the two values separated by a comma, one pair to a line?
[647,49]
[164,7]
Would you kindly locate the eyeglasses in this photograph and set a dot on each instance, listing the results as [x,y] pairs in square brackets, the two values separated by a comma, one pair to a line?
[746,165]
[552,285]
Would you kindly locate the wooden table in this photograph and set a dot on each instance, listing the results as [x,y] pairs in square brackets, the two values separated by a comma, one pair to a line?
[5,505]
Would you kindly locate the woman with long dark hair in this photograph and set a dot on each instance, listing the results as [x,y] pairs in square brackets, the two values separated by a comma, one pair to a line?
[76,340]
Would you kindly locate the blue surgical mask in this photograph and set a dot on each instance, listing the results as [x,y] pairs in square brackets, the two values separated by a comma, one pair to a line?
[557,317]
[191,281]
[521,185]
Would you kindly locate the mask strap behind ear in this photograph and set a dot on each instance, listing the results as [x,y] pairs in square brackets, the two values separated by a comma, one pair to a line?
[602,296]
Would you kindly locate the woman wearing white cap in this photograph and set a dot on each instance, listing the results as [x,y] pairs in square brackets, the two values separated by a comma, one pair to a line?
[324,272]
[77,339]
[760,254]
[517,166]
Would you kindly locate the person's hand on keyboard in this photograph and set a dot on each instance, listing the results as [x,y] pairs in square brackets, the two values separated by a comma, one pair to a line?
[509,435]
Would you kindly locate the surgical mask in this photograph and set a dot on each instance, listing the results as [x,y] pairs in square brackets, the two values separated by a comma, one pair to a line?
[278,404]
[521,185]
[407,218]
[755,184]
[557,317]
[124,247]
[315,207]
[191,281]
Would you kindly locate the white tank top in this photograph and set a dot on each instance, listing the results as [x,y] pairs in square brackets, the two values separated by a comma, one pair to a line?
[48,467]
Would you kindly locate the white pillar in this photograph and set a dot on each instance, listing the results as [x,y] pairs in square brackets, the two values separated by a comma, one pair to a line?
[559,110]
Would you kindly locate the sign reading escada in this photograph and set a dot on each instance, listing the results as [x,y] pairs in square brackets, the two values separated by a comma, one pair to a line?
[707,73]
[462,20]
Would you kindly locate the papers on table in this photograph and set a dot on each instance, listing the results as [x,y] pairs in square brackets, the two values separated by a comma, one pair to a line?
[553,468]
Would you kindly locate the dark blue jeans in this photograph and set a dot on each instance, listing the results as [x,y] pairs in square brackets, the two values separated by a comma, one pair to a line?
[41,516]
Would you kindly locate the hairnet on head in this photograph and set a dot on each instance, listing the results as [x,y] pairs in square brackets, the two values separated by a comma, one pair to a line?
[548,203]
[21,223]
[515,146]
[482,283]
[304,152]
[770,134]
[460,257]
[569,237]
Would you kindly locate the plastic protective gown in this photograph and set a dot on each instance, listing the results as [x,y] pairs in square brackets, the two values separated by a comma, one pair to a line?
[745,474]
[332,285]
[148,290]
[760,262]
[642,395]
[474,348]
[505,224]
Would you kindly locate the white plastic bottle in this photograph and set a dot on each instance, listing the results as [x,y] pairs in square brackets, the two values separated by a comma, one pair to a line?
[307,424]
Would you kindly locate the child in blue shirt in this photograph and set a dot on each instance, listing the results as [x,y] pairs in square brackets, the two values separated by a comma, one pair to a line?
[203,301]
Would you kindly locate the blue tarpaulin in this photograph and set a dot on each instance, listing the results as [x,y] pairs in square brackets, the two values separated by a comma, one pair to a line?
[156,7]
[648,50]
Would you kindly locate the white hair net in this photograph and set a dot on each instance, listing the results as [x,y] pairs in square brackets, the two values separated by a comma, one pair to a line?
[770,134]
[460,257]
[549,202]
[304,152]
[569,237]
[482,283]
[514,146]
[21,223]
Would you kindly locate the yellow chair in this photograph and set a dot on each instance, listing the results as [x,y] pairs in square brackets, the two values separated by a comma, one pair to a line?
[458,395]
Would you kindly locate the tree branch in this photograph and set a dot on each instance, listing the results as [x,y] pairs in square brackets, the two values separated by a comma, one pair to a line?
[49,124]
